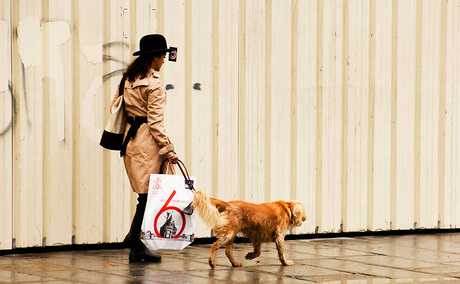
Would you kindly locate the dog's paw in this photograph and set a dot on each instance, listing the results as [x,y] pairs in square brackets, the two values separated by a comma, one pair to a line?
[251,255]
[288,262]
[236,264]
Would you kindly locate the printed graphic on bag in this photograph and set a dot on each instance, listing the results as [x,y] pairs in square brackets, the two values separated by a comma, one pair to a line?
[165,225]
[168,230]
[168,220]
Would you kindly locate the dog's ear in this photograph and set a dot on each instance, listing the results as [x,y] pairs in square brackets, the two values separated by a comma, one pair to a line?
[298,212]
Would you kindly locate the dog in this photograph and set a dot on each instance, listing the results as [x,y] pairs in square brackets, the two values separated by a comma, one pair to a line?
[265,222]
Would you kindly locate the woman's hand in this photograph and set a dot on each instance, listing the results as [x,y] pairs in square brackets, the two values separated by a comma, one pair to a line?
[174,159]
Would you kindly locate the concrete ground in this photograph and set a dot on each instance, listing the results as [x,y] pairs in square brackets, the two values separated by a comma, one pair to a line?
[419,258]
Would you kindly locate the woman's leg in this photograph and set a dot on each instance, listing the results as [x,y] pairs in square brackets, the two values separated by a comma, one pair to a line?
[138,250]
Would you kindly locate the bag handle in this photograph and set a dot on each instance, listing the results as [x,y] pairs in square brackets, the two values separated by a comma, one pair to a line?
[183,170]
[186,175]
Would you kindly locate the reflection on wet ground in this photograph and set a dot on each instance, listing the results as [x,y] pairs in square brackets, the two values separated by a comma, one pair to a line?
[426,258]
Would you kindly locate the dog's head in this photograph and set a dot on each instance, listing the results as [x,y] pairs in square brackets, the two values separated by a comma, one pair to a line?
[298,213]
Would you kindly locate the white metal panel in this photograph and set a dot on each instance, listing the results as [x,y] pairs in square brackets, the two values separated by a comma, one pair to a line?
[405,111]
[174,75]
[357,108]
[382,116]
[201,103]
[281,101]
[28,130]
[350,107]
[331,139]
[88,162]
[451,211]
[429,113]
[119,201]
[306,111]
[255,102]
[6,124]
[227,106]
[147,15]
[57,123]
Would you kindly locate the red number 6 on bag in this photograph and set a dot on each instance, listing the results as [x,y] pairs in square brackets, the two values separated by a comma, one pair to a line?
[163,209]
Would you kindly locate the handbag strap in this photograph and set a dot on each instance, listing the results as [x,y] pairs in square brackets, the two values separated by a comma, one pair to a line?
[121,88]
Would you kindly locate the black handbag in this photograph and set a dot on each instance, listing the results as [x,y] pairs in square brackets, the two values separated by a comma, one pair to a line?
[112,137]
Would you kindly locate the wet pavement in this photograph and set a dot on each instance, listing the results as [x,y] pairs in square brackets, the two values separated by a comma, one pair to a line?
[419,258]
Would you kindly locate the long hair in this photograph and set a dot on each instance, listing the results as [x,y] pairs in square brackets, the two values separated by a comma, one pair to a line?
[140,67]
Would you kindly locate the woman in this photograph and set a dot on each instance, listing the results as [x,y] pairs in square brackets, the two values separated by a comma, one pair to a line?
[146,143]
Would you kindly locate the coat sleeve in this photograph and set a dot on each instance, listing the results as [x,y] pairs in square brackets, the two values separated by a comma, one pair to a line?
[155,118]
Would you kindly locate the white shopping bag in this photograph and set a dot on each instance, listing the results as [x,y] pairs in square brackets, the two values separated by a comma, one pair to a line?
[165,225]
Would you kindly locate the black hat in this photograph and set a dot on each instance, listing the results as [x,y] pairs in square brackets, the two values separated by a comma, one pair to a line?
[152,43]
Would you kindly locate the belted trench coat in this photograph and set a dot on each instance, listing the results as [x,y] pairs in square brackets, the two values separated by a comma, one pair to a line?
[151,145]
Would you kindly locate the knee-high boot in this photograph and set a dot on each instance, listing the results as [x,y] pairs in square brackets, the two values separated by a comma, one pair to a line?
[139,252]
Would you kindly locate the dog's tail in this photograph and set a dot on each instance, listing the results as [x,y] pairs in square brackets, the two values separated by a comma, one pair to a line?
[207,209]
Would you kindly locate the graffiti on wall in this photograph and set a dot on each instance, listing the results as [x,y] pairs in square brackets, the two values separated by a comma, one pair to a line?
[30,33]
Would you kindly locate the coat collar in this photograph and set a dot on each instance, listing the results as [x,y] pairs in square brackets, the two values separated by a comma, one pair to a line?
[144,82]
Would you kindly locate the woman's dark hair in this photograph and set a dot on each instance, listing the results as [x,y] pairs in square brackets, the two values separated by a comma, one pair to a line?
[140,67]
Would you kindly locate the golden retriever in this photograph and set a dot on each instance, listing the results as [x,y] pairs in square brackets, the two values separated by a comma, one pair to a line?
[259,223]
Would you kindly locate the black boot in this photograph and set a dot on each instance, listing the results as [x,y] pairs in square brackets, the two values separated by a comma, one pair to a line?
[139,252]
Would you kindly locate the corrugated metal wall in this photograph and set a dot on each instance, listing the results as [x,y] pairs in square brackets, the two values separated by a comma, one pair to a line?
[351,107]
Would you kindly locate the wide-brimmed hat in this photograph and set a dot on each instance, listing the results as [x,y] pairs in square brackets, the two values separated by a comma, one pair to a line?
[154,43]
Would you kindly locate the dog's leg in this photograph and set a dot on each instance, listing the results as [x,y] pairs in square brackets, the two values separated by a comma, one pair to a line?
[279,240]
[229,254]
[257,249]
[215,246]
[222,239]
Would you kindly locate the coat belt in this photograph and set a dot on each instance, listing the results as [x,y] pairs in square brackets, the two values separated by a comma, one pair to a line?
[135,122]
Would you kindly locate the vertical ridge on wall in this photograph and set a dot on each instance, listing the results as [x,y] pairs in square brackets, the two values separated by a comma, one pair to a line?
[242,97]
[188,83]
[106,99]
[450,30]
[394,95]
[46,120]
[405,109]
[417,119]
[75,117]
[15,90]
[319,115]
[371,116]
[294,103]
[215,98]
[268,100]
[227,100]
[161,17]
[7,116]
[382,185]
[282,114]
[428,107]
[28,134]
[442,117]
[344,82]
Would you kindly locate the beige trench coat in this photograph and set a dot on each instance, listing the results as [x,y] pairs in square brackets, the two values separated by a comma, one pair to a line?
[151,145]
